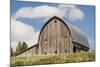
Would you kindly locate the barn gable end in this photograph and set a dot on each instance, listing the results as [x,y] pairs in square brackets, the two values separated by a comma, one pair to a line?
[55,38]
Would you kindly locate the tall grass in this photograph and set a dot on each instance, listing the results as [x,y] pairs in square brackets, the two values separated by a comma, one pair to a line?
[53,58]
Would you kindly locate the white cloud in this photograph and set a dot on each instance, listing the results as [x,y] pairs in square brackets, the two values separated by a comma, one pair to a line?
[38,12]
[22,32]
[76,14]
[72,12]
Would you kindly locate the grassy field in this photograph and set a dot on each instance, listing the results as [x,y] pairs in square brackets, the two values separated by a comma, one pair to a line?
[53,59]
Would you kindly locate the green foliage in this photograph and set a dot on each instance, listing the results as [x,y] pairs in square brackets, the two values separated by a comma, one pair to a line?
[11,51]
[53,58]
[24,45]
[15,53]
[21,47]
[18,48]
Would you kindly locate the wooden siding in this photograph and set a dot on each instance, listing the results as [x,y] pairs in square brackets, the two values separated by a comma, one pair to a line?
[55,38]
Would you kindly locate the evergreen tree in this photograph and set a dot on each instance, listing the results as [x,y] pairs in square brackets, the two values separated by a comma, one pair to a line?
[11,51]
[21,47]
[25,46]
[18,48]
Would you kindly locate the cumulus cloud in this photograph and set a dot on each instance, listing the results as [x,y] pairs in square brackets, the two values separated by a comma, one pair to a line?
[71,12]
[38,12]
[22,32]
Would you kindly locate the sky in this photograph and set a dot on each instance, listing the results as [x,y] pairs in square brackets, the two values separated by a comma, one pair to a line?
[27,19]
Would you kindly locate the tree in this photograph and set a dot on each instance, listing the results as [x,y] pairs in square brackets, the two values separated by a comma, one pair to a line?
[14,53]
[18,48]
[11,51]
[25,46]
[21,47]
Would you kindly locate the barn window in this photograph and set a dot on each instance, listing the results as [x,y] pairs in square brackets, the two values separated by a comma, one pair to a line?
[66,51]
[74,49]
[65,37]
[45,41]
[45,53]
[55,52]
[55,21]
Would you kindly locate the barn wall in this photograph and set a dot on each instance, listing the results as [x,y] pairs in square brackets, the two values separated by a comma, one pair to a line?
[32,51]
[55,38]
[79,47]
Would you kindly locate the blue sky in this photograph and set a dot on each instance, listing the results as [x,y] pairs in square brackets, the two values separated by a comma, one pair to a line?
[86,24]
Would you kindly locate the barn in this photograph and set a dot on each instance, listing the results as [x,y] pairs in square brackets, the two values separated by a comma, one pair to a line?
[58,37]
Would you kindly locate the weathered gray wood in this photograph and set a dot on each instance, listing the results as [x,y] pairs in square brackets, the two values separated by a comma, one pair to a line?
[55,38]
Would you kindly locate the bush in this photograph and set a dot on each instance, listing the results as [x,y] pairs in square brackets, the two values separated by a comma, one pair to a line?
[53,59]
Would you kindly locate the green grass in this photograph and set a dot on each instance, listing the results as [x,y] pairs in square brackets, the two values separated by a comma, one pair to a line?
[53,59]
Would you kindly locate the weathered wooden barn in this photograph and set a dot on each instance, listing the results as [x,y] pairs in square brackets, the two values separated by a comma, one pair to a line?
[58,37]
